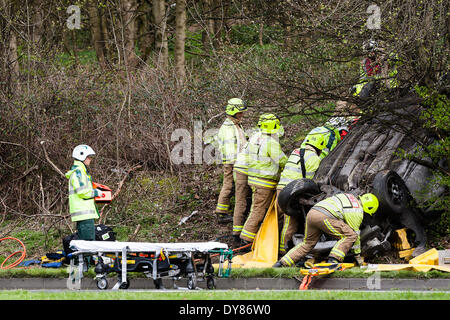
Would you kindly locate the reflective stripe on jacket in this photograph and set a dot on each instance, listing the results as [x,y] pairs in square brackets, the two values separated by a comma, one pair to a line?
[230,142]
[346,207]
[293,169]
[331,137]
[243,158]
[81,193]
[266,159]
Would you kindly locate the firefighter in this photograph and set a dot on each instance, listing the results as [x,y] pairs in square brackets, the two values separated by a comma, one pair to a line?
[339,216]
[231,138]
[302,163]
[331,138]
[374,67]
[82,206]
[242,191]
[266,160]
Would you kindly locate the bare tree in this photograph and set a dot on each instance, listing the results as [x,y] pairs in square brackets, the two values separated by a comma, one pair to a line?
[96,31]
[161,45]
[180,37]
[129,26]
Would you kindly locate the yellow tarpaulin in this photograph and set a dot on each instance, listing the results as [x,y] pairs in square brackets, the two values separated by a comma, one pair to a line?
[423,263]
[407,266]
[265,247]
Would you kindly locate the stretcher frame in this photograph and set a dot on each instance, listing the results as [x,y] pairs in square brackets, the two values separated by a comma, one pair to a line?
[190,251]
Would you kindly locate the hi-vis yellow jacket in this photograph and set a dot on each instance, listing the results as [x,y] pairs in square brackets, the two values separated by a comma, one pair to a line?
[295,169]
[346,207]
[81,193]
[230,141]
[266,160]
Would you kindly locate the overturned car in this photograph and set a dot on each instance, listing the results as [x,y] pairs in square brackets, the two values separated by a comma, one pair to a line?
[366,160]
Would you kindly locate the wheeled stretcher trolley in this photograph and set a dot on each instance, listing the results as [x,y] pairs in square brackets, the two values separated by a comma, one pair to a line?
[155,260]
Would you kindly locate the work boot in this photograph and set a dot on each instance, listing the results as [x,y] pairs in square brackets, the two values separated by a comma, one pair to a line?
[333,260]
[224,218]
[278,264]
[239,243]
[334,263]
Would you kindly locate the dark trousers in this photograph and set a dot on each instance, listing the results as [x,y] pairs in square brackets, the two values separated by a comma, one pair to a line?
[86,229]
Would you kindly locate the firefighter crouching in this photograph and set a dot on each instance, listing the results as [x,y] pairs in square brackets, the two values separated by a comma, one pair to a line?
[302,163]
[339,216]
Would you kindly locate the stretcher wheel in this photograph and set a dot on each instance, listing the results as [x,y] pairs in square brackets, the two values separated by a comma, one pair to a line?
[210,283]
[192,282]
[102,283]
[158,283]
[124,285]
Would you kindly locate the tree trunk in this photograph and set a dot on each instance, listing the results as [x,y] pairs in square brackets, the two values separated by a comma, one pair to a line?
[208,31]
[161,48]
[105,32]
[145,38]
[96,31]
[130,32]
[180,38]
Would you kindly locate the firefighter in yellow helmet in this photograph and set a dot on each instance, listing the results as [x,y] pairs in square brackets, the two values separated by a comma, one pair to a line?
[266,161]
[339,216]
[242,195]
[231,138]
[302,163]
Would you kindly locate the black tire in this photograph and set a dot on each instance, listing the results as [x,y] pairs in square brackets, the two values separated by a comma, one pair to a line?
[192,282]
[158,283]
[124,285]
[288,199]
[392,192]
[210,283]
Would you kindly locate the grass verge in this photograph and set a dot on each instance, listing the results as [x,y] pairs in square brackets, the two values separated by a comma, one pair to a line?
[39,272]
[223,295]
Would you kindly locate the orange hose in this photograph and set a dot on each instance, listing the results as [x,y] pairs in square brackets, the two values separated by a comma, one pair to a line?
[18,261]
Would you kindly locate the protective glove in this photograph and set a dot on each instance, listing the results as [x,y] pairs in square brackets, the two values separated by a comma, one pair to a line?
[97,193]
[359,260]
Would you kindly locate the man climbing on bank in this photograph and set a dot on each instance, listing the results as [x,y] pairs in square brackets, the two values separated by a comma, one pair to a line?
[82,206]
[339,216]
[302,163]
[231,139]
[266,161]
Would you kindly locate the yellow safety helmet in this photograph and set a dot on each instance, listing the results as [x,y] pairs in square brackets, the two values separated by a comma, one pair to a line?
[234,106]
[270,123]
[316,137]
[369,202]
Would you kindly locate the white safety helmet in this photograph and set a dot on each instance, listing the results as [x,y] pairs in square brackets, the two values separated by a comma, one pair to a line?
[82,151]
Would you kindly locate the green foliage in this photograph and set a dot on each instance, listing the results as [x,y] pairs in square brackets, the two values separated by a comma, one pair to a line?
[436,119]
[248,34]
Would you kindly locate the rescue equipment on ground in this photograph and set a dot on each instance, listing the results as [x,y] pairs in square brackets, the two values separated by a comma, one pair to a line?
[22,253]
[155,260]
[320,269]
[265,246]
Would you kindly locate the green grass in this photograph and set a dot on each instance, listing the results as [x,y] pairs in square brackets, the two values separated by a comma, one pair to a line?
[38,272]
[222,295]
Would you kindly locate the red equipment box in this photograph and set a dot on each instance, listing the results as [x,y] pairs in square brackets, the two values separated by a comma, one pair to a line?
[106,196]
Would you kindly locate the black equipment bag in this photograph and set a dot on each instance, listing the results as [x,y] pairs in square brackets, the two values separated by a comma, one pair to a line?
[104,233]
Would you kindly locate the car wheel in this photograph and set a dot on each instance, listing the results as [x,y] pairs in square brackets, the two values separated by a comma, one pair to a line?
[289,197]
[391,191]
[396,203]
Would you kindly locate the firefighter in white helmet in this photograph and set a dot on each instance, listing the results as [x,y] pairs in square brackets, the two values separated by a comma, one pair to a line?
[82,206]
